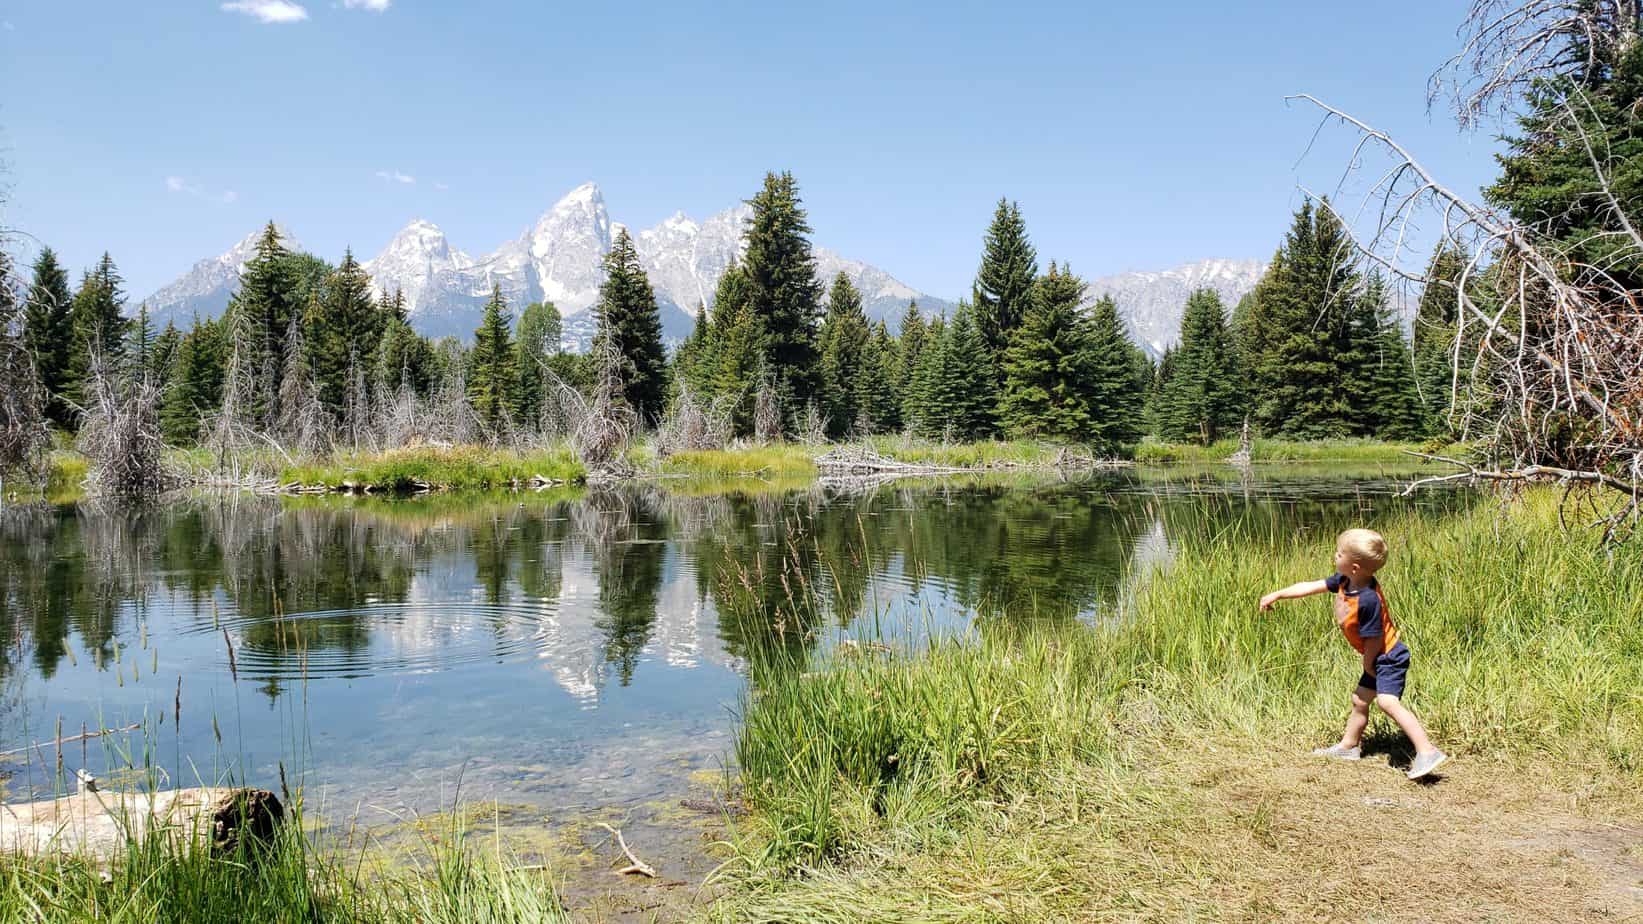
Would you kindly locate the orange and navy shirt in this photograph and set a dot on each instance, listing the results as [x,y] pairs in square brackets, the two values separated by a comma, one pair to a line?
[1362,613]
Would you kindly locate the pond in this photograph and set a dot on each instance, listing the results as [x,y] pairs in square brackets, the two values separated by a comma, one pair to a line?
[563,651]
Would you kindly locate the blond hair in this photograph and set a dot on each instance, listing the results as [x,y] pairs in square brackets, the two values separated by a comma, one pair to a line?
[1367,548]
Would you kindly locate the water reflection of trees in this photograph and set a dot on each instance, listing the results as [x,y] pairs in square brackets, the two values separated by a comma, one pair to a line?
[773,568]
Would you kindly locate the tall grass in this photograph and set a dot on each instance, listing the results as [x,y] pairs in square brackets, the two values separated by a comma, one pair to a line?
[1525,647]
[164,877]
[461,468]
[1267,450]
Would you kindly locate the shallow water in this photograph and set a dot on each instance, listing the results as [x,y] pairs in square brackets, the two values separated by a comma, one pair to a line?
[560,651]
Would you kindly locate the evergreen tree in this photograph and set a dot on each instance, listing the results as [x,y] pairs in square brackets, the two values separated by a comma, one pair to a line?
[844,338]
[690,359]
[48,332]
[197,382]
[1048,371]
[1299,329]
[260,315]
[99,326]
[493,372]
[163,359]
[540,329]
[343,328]
[1434,332]
[912,338]
[139,350]
[629,319]
[1004,284]
[781,276]
[1200,402]
[1388,403]
[405,359]
[1158,381]
[878,391]
[955,382]
[1117,392]
[734,360]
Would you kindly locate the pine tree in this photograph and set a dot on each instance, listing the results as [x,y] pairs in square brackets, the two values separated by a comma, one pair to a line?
[1434,332]
[1300,332]
[342,328]
[955,382]
[1158,380]
[48,332]
[259,315]
[99,326]
[844,337]
[629,319]
[197,382]
[1117,393]
[1004,284]
[540,328]
[734,359]
[781,276]
[910,347]
[139,349]
[404,359]
[1048,376]
[878,391]
[163,360]
[1200,403]
[1387,403]
[493,372]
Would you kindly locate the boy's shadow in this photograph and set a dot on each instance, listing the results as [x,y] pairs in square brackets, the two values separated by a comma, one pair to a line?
[1400,754]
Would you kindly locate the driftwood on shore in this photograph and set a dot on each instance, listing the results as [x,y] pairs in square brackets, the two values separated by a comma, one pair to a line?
[99,825]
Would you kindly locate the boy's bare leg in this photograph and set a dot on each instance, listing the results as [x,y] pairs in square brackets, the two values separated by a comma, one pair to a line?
[1406,720]
[1358,719]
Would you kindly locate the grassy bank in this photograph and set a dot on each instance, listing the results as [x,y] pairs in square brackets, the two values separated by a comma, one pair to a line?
[463,468]
[1155,767]
[447,879]
[1152,451]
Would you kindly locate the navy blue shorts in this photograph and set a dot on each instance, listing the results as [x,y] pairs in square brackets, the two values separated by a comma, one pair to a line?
[1391,671]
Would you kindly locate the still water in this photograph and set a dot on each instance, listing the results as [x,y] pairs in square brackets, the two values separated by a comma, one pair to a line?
[563,650]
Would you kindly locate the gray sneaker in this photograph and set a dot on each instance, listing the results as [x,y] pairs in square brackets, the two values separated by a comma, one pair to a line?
[1426,763]
[1337,752]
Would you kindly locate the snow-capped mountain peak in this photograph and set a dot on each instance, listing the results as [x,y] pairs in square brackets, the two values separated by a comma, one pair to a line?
[1153,302]
[412,259]
[205,289]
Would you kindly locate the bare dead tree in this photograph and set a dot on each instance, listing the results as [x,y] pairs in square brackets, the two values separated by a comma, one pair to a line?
[24,437]
[450,418]
[693,423]
[767,412]
[1554,341]
[303,424]
[120,434]
[1511,45]
[601,423]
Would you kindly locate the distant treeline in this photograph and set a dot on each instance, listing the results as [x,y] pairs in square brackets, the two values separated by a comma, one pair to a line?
[308,357]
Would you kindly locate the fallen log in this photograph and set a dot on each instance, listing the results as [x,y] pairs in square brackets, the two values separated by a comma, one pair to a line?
[99,825]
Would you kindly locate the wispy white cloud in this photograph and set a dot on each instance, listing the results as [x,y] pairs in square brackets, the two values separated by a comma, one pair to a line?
[179,186]
[268,11]
[441,186]
[375,6]
[394,176]
[6,25]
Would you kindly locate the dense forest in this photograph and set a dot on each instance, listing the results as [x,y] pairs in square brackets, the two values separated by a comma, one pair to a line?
[306,358]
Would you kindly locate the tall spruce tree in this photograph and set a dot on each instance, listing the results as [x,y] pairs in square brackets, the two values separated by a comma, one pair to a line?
[784,292]
[260,315]
[99,326]
[162,362]
[1387,398]
[493,373]
[197,382]
[1117,391]
[1004,283]
[1049,377]
[343,327]
[630,320]
[1200,402]
[878,388]
[139,350]
[910,347]
[540,328]
[844,337]
[690,359]
[956,398]
[1300,331]
[48,332]
[734,361]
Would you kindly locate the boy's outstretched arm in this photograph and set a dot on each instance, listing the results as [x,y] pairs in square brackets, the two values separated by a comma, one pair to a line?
[1300,589]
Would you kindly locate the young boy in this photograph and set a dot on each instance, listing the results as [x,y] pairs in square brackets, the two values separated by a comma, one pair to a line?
[1361,612]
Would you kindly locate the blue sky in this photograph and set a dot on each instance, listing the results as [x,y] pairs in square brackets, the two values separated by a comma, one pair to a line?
[1135,136]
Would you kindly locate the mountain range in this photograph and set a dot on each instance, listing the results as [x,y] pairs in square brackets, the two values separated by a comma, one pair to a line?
[559,259]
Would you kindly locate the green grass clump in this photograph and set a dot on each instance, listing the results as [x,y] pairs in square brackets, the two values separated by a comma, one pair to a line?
[463,468]
[1152,450]
[1524,641]
[779,461]
[168,878]
[983,454]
